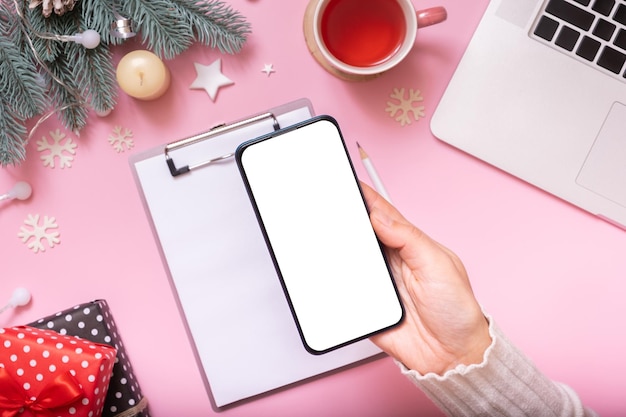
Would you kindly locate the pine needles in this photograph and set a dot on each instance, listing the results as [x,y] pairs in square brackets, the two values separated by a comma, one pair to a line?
[215,24]
[37,73]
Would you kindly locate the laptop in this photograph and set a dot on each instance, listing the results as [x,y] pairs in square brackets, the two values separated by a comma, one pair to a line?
[541,93]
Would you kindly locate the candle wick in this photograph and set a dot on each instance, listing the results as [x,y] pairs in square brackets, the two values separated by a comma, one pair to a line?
[141,78]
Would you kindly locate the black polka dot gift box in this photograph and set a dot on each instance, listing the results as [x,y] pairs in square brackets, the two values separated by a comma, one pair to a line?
[44,373]
[93,321]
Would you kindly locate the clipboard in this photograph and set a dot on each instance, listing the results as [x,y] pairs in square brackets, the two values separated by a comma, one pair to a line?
[237,318]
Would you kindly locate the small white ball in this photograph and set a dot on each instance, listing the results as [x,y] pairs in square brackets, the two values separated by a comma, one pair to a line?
[103,113]
[89,38]
[21,190]
[20,297]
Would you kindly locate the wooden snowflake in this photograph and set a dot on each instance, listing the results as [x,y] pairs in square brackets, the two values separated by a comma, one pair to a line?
[121,138]
[35,233]
[403,107]
[59,149]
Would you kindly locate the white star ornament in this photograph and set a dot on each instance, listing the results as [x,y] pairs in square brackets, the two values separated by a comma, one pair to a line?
[268,69]
[210,78]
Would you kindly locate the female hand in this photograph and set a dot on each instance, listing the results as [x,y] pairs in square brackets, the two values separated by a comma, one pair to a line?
[443,325]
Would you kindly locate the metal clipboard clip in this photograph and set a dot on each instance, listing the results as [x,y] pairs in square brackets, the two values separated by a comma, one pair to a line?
[206,135]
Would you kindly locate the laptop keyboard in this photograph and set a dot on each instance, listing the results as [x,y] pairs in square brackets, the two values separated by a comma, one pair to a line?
[592,31]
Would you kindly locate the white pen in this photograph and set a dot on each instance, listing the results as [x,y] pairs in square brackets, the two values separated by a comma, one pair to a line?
[371,171]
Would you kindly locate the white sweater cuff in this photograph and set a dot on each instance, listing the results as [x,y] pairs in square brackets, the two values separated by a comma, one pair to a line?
[506,383]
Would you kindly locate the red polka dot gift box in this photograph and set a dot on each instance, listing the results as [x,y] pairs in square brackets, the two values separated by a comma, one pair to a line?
[46,374]
[93,321]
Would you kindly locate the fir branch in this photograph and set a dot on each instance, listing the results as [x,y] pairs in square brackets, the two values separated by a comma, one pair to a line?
[6,16]
[18,77]
[162,26]
[12,132]
[70,106]
[17,34]
[93,68]
[215,24]
[96,77]
[46,49]
[64,90]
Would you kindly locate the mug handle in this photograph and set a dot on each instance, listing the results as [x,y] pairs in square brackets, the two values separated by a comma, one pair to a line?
[431,16]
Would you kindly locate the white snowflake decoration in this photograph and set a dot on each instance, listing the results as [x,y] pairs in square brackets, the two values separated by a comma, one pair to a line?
[120,139]
[403,107]
[34,236]
[64,151]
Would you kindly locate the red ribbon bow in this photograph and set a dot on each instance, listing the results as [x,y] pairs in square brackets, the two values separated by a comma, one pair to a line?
[62,391]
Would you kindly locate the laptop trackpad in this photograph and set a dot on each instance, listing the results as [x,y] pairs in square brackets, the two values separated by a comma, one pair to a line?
[604,170]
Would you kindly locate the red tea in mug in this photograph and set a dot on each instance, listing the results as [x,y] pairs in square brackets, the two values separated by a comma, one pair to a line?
[363,33]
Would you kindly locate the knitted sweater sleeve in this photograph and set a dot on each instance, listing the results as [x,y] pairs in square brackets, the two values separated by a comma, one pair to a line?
[506,383]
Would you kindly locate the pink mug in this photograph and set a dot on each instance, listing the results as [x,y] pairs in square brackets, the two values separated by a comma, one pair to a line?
[365,37]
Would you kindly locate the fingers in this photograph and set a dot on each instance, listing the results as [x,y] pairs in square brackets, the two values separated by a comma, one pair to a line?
[385,212]
[389,224]
[415,247]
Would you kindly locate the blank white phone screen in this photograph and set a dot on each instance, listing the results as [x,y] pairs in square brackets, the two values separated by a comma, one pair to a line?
[315,221]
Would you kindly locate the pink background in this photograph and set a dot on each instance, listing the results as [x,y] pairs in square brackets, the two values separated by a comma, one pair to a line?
[551,274]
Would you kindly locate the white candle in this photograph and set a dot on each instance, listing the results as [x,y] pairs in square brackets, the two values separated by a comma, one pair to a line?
[142,74]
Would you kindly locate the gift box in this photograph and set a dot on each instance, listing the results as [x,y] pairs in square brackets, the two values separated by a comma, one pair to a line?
[44,373]
[93,321]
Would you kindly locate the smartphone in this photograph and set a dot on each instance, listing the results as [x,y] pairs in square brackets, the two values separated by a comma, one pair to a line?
[312,213]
